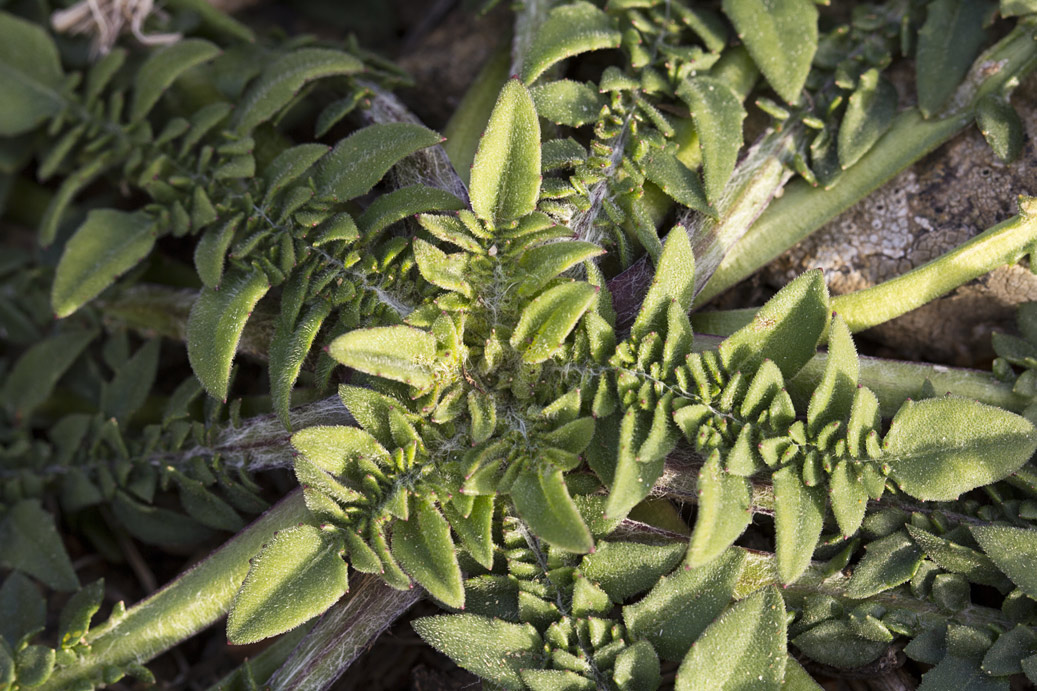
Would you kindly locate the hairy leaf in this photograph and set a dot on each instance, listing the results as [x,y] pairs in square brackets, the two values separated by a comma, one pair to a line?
[29,542]
[425,550]
[493,649]
[1012,550]
[948,42]
[30,76]
[129,388]
[674,281]
[798,518]
[674,178]
[38,370]
[724,512]
[573,28]
[887,563]
[543,501]
[566,102]
[22,609]
[400,353]
[543,263]
[832,400]
[1001,127]
[549,319]
[869,114]
[637,667]
[163,68]
[624,569]
[718,114]
[288,349]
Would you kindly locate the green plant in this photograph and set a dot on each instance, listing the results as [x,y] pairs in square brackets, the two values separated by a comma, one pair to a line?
[527,401]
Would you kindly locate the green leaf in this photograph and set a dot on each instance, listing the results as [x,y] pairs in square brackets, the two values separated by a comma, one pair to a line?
[538,266]
[205,507]
[674,281]
[37,371]
[682,605]
[282,80]
[404,203]
[332,448]
[360,160]
[505,178]
[289,166]
[797,678]
[400,353]
[833,398]
[1013,550]
[371,409]
[1015,8]
[476,529]
[886,564]
[548,320]
[448,271]
[30,76]
[30,542]
[75,617]
[129,388]
[424,548]
[298,575]
[22,609]
[211,251]
[1001,127]
[939,448]
[632,480]
[157,526]
[678,181]
[724,512]
[786,329]
[869,113]
[542,500]
[948,42]
[781,36]
[573,28]
[108,244]
[956,558]
[482,411]
[34,665]
[566,102]
[289,347]
[624,569]
[637,667]
[162,68]
[1004,657]
[718,114]
[848,496]
[743,649]
[215,324]
[834,643]
[490,648]
[798,518]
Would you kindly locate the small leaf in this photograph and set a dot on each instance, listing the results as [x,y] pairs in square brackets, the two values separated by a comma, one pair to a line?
[541,264]
[289,347]
[624,569]
[282,80]
[948,42]
[678,181]
[157,526]
[75,617]
[30,542]
[1001,127]
[404,203]
[37,371]
[549,319]
[798,518]
[211,251]
[745,648]
[482,410]
[718,114]
[490,648]
[834,643]
[108,244]
[215,324]
[637,667]
[1004,657]
[448,271]
[724,512]
[505,178]
[360,160]
[129,388]
[632,480]
[543,501]
[400,353]
[1013,550]
[298,575]
[475,530]
[674,281]
[566,102]
[425,550]
[22,609]
[30,76]
[332,448]
[781,36]
[34,665]
[289,165]
[886,564]
[869,113]
[849,498]
[833,398]
[940,448]
[956,558]
[205,507]
[797,678]
[162,68]
[574,28]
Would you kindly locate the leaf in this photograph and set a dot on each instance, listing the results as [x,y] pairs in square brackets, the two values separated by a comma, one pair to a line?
[948,42]
[834,643]
[211,251]
[833,398]
[490,648]
[282,80]
[403,203]
[371,409]
[1001,127]
[298,575]
[724,512]
[939,448]
[30,542]
[332,448]
[129,388]
[743,649]
[215,324]
[718,114]
[574,28]
[424,548]
[624,569]
[475,530]
[849,498]
[678,181]
[482,411]
[108,244]
[957,558]
[30,76]
[400,353]
[34,665]
[798,518]
[781,36]
[157,526]
[538,266]
[205,507]
[1004,657]
[447,271]
[1013,550]
[360,160]
[76,615]
[542,500]
[682,605]
[797,678]
[887,563]
[289,165]
[869,113]
[786,329]
[548,320]
[1015,8]
[637,667]
[505,178]
[22,609]
[289,347]
[37,371]
[674,281]
[162,68]
[632,480]
[566,102]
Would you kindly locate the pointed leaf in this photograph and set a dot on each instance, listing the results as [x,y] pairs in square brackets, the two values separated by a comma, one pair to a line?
[718,114]
[404,203]
[940,448]
[29,542]
[869,113]
[781,36]
[76,615]
[298,575]
[549,319]
[132,383]
[798,517]
[724,512]
[637,667]
[573,28]
[632,480]
[288,350]
[332,448]
[38,370]
[541,264]
[1013,550]
[476,529]
[108,244]
[566,102]
[162,68]
[400,353]
[22,609]
[948,42]
[505,179]
[542,500]
[30,76]
[289,165]
[833,398]
[443,270]
[490,648]
[849,498]
[215,324]
[424,548]
[886,564]
[674,281]
[678,181]
[624,569]
[1001,127]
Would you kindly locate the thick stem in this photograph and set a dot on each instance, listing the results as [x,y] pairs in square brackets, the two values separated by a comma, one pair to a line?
[191,603]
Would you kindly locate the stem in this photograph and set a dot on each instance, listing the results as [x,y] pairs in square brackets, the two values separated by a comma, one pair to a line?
[259,668]
[343,633]
[189,604]
[803,209]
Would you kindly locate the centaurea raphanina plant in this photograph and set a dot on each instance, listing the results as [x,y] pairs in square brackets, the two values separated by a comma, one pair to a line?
[526,401]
